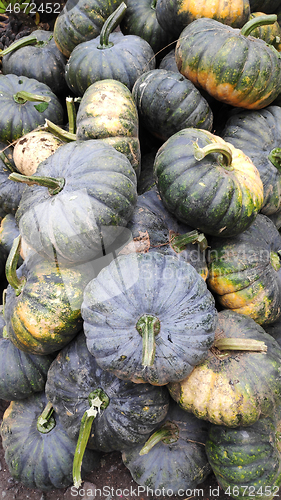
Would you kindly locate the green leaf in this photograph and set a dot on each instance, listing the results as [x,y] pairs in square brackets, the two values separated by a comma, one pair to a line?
[41,106]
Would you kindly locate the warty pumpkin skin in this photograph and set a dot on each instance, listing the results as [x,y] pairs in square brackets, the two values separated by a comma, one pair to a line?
[130,412]
[148,317]
[247,460]
[239,70]
[245,271]
[216,194]
[233,388]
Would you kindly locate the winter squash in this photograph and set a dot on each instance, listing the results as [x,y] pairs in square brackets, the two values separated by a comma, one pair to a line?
[230,64]
[33,148]
[38,451]
[244,271]
[109,56]
[148,317]
[8,232]
[270,33]
[10,193]
[207,183]
[234,387]
[167,102]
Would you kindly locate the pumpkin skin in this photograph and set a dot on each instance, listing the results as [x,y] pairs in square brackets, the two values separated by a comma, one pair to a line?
[167,102]
[155,289]
[99,181]
[236,389]
[178,462]
[42,61]
[133,411]
[38,460]
[270,33]
[174,15]
[107,111]
[244,271]
[247,130]
[10,192]
[17,119]
[257,447]
[241,71]
[205,194]
[8,232]
[80,21]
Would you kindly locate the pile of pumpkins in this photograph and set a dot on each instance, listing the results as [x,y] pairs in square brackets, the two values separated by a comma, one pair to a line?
[140,203]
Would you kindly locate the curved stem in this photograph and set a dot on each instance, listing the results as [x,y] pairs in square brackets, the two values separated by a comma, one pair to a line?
[7,162]
[59,132]
[179,241]
[256,22]
[240,344]
[11,267]
[148,326]
[32,40]
[71,114]
[224,149]
[54,184]
[22,97]
[168,433]
[46,421]
[275,158]
[110,24]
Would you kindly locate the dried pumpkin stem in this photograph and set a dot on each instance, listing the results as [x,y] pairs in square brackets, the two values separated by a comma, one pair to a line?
[240,344]
[223,149]
[256,22]
[32,40]
[110,24]
[71,114]
[179,242]
[7,162]
[22,97]
[46,421]
[54,184]
[11,267]
[148,326]
[167,433]
[59,132]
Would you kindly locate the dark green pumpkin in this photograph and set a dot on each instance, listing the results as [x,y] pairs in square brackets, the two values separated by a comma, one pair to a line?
[39,456]
[247,461]
[217,194]
[19,116]
[247,130]
[167,102]
[231,65]
[173,459]
[129,414]
[148,317]
[41,60]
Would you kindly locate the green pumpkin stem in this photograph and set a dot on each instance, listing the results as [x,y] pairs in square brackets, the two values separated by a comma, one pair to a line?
[54,184]
[7,162]
[110,24]
[98,400]
[240,344]
[215,147]
[153,4]
[71,114]
[11,267]
[46,421]
[275,260]
[256,22]
[59,132]
[22,97]
[179,242]
[275,158]
[148,326]
[32,40]
[167,433]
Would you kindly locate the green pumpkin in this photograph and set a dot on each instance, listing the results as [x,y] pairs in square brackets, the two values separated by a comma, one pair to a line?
[167,102]
[230,64]
[40,455]
[207,183]
[270,33]
[148,317]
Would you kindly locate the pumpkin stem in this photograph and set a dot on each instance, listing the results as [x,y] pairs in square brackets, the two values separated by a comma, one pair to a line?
[7,162]
[256,22]
[46,422]
[59,132]
[11,266]
[168,433]
[223,149]
[275,261]
[275,158]
[32,40]
[22,97]
[98,400]
[54,184]
[148,326]
[110,24]
[179,241]
[240,344]
[153,4]
[71,114]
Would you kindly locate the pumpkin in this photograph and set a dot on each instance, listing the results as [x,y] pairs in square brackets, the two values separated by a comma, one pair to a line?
[148,317]
[167,102]
[80,21]
[207,183]
[25,103]
[86,177]
[270,33]
[233,67]
[38,452]
[173,459]
[8,232]
[247,130]
[247,461]
[174,15]
[237,387]
[41,60]
[244,271]
[129,412]
[109,56]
